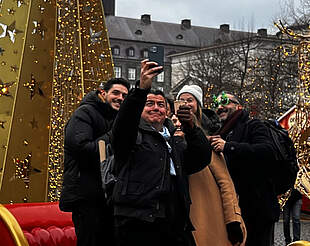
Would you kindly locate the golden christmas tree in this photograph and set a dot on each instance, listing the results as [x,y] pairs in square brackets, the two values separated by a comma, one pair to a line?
[300,130]
[51,54]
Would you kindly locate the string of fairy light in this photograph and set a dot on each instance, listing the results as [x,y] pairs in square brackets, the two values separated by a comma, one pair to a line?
[82,60]
[265,77]
[271,83]
[67,85]
[300,131]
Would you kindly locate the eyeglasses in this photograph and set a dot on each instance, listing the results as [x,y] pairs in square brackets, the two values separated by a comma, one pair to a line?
[224,100]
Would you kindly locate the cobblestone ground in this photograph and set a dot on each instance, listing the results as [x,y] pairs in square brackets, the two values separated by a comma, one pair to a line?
[279,237]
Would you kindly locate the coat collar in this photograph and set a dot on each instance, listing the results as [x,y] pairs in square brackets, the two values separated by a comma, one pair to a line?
[147,127]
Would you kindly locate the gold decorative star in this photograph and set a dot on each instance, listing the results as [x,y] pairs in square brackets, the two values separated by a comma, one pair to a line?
[9,31]
[19,3]
[2,124]
[39,29]
[4,88]
[14,68]
[1,51]
[11,11]
[22,168]
[34,87]
[34,123]
[94,36]
[32,47]
[41,9]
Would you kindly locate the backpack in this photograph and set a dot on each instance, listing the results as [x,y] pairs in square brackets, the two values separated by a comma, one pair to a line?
[284,172]
[107,169]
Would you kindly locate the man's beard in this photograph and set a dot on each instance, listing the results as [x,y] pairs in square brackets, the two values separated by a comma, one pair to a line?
[223,110]
[229,113]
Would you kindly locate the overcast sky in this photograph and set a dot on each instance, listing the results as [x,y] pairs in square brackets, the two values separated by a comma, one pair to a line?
[240,14]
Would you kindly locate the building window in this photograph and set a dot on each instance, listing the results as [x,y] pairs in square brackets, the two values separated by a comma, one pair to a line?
[145,53]
[116,51]
[131,73]
[180,36]
[138,32]
[161,77]
[131,52]
[118,72]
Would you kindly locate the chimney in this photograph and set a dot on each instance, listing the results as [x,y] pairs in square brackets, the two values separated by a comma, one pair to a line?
[224,28]
[146,19]
[262,32]
[109,7]
[186,24]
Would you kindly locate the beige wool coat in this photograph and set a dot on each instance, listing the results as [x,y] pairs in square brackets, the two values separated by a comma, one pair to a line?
[214,203]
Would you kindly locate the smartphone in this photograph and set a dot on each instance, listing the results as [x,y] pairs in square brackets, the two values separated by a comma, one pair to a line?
[156,54]
[177,104]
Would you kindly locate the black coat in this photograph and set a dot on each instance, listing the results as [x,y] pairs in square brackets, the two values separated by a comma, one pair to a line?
[249,155]
[143,161]
[210,122]
[90,122]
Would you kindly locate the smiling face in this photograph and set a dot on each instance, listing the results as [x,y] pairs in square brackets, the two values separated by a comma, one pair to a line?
[115,95]
[155,110]
[224,111]
[190,100]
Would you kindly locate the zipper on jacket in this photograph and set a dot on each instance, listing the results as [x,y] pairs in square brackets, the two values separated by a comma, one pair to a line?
[164,172]
[157,205]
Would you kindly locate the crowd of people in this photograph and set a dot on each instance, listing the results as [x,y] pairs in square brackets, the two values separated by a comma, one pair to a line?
[185,176]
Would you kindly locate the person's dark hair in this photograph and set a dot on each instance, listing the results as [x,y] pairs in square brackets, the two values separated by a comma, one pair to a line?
[108,85]
[158,92]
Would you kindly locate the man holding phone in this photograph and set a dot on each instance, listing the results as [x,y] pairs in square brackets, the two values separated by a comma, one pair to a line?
[151,198]
[157,54]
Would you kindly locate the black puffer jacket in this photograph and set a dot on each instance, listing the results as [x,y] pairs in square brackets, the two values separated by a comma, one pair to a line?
[143,159]
[90,122]
[249,156]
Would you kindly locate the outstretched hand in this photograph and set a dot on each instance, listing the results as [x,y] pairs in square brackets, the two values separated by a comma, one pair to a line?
[186,117]
[149,70]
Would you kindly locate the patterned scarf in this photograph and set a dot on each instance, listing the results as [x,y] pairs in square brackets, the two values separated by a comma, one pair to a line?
[166,135]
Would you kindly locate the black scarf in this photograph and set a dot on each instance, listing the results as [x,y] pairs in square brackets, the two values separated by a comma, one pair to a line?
[230,123]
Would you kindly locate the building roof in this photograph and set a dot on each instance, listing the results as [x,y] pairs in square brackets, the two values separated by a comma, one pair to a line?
[124,28]
[233,43]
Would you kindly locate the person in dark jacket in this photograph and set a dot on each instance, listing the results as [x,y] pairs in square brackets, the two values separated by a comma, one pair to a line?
[151,198]
[292,208]
[248,153]
[82,193]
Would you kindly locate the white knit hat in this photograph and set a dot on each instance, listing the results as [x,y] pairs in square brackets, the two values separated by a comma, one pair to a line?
[195,90]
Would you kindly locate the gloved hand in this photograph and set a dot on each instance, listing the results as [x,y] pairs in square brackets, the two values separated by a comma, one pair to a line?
[234,232]
[186,117]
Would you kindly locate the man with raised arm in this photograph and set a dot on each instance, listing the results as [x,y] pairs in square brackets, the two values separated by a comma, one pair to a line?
[151,198]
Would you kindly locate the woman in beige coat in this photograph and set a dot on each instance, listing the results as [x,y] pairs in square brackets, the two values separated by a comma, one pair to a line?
[215,212]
